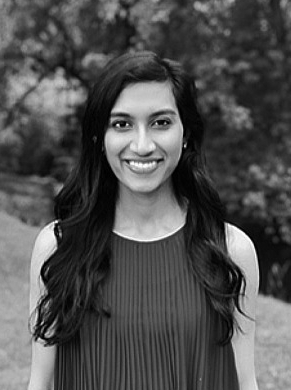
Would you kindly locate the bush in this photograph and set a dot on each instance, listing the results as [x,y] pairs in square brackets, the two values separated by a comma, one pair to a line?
[38,148]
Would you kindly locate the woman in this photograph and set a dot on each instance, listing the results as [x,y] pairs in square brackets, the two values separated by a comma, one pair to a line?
[143,285]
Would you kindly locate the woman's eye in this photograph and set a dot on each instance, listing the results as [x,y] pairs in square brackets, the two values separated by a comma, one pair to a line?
[120,125]
[162,123]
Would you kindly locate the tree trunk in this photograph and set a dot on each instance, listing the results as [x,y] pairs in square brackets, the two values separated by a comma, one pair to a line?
[278,21]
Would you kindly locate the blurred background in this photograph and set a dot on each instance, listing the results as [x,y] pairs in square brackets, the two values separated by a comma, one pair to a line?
[239,51]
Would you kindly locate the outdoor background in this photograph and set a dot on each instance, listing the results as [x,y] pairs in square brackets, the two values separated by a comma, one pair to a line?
[239,52]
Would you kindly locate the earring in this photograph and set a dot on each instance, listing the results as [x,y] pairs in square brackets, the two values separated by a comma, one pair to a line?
[94,139]
[184,145]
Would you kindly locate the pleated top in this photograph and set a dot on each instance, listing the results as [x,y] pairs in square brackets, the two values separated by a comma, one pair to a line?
[162,333]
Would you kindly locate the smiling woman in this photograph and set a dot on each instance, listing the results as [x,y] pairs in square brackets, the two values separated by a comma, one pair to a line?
[143,284]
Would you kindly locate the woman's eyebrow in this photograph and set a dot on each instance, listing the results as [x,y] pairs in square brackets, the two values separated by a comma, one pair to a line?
[167,111]
[118,114]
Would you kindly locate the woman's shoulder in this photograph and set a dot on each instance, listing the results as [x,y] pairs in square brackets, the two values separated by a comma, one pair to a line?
[237,239]
[46,236]
[242,251]
[45,243]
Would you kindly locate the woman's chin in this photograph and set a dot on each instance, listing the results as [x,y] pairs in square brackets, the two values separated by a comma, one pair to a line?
[145,189]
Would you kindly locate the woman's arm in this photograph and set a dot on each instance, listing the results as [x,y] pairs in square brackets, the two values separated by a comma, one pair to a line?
[43,358]
[242,252]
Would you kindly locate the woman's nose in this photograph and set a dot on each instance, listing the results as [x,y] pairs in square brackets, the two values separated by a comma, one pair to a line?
[142,142]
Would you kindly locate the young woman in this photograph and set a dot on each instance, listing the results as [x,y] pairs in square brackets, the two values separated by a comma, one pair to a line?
[139,283]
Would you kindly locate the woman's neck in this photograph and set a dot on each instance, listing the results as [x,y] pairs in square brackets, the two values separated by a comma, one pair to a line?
[148,215]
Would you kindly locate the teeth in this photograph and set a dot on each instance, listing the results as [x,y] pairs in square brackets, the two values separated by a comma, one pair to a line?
[143,165]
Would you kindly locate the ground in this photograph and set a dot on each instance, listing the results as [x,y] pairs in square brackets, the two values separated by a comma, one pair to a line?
[273,338]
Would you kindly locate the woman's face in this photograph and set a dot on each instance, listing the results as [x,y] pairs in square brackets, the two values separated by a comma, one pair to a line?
[143,141]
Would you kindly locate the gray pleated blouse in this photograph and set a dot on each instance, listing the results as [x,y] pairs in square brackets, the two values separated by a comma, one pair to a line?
[162,332]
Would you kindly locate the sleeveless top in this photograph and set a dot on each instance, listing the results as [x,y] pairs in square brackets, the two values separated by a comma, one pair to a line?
[162,333]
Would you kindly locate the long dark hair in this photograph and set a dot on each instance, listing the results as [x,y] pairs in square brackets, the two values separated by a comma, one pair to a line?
[85,208]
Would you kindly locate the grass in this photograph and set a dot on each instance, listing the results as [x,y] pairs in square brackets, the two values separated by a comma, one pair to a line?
[16,240]
[273,339]
[273,344]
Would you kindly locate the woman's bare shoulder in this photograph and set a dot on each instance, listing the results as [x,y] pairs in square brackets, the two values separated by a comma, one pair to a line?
[237,239]
[45,244]
[242,251]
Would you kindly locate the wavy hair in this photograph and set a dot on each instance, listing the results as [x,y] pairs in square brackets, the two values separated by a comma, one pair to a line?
[85,208]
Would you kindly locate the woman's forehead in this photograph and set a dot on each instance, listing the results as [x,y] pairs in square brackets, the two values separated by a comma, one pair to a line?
[145,96]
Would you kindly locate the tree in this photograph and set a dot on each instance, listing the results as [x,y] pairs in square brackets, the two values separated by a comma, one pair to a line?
[238,50]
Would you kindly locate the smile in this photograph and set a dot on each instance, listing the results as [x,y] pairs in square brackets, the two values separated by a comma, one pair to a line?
[142,166]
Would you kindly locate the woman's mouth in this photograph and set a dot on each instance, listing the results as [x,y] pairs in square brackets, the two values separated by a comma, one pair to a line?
[138,166]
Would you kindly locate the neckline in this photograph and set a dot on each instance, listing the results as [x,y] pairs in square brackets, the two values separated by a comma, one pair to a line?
[150,240]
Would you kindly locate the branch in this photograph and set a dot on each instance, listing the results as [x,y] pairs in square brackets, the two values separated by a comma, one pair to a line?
[16,106]
[69,65]
[278,21]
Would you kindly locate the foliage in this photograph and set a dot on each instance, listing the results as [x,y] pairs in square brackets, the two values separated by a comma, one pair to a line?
[278,277]
[238,50]
[28,148]
[28,198]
